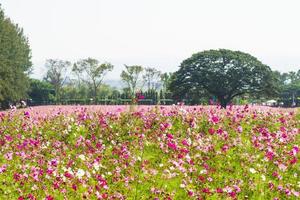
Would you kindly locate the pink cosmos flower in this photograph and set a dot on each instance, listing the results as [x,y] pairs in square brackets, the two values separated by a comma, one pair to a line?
[282,167]
[190,193]
[271,185]
[215,119]
[49,197]
[8,138]
[288,192]
[211,131]
[31,197]
[269,155]
[74,187]
[206,190]
[225,148]
[220,131]
[185,142]
[56,185]
[102,182]
[27,114]
[295,193]
[172,146]
[219,190]
[184,150]
[210,179]
[53,162]
[240,129]
[170,136]
[68,175]
[295,150]
[164,126]
[237,188]
[8,156]
[275,174]
[179,156]
[282,120]
[17,176]
[104,196]
[3,168]
[201,178]
[293,161]
[232,194]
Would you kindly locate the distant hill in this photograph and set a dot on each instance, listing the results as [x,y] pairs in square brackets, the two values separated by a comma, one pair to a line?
[115,83]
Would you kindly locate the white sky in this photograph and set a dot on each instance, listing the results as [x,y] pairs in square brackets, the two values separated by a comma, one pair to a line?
[158,33]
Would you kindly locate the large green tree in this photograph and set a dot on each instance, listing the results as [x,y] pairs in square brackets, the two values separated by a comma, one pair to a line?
[40,91]
[92,72]
[165,79]
[56,74]
[289,87]
[15,64]
[224,74]
[131,76]
[151,77]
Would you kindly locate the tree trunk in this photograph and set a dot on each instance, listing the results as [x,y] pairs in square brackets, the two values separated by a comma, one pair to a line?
[95,91]
[57,93]
[95,94]
[149,85]
[223,102]
[223,105]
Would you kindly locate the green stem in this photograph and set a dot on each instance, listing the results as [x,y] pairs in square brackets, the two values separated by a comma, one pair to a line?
[138,178]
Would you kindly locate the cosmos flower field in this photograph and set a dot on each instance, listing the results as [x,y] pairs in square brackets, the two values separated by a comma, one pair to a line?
[154,152]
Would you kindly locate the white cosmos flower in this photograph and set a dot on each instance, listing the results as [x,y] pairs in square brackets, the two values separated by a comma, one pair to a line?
[34,187]
[263,177]
[282,167]
[80,173]
[96,166]
[70,170]
[82,157]
[253,171]
[88,174]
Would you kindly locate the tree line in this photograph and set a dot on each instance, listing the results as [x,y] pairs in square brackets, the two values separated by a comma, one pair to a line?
[82,82]
[214,76]
[209,77]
